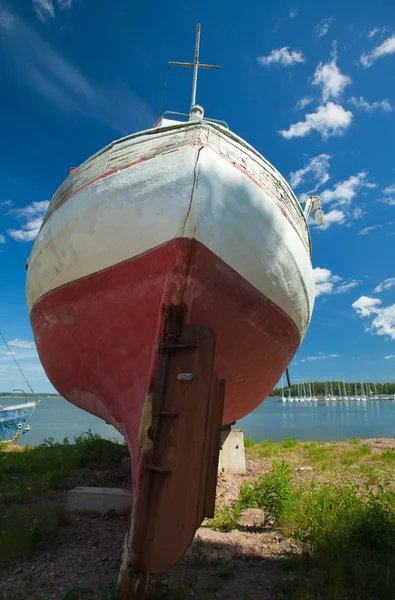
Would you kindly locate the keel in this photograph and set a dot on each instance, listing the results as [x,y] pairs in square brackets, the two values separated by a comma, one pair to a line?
[179,471]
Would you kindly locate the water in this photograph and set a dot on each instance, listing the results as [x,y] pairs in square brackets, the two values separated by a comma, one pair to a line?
[272,420]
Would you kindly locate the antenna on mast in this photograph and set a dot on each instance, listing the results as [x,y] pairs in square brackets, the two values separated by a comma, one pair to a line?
[196,66]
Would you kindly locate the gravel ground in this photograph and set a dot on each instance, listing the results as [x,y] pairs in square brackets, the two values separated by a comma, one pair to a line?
[244,564]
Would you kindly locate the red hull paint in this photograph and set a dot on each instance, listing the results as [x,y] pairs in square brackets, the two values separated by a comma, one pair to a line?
[97,337]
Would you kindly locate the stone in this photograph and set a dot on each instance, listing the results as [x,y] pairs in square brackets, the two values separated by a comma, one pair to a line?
[108,514]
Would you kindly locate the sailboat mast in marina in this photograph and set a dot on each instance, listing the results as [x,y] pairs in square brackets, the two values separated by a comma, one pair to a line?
[152,309]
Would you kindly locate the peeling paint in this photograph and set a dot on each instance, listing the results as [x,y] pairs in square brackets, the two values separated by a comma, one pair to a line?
[146,420]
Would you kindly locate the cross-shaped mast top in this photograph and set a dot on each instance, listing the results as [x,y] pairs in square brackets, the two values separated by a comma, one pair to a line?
[196,65]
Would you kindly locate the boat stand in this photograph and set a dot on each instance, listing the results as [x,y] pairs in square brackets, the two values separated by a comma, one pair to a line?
[179,472]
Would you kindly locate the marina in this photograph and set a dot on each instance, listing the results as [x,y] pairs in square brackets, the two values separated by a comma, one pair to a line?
[330,421]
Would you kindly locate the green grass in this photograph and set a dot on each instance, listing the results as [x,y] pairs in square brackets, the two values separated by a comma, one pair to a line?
[348,457]
[290,443]
[350,535]
[271,492]
[347,528]
[248,443]
[23,530]
[35,473]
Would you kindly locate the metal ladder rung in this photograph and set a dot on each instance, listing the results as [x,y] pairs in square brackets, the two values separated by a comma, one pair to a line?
[166,413]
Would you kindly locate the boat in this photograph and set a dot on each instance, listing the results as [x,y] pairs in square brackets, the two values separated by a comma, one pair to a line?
[14,421]
[168,288]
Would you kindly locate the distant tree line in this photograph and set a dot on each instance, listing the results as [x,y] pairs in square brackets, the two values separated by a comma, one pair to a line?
[322,388]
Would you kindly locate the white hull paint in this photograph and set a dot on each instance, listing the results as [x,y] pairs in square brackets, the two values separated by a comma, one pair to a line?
[193,181]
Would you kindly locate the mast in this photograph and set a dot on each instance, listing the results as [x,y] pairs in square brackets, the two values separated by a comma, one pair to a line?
[195,65]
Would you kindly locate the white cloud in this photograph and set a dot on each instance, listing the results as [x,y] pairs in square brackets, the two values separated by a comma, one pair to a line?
[2,239]
[332,217]
[329,119]
[345,191]
[375,31]
[6,19]
[390,189]
[384,49]
[383,319]
[17,343]
[283,57]
[303,102]
[330,79]
[357,213]
[385,285]
[366,306]
[293,13]
[390,201]
[317,168]
[389,356]
[319,357]
[367,230]
[384,323]
[384,105]
[44,9]
[46,72]
[324,281]
[32,215]
[323,26]
[328,283]
[346,286]
[65,4]
[6,203]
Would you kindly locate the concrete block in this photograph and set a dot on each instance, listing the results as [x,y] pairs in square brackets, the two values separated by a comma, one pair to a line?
[231,456]
[99,499]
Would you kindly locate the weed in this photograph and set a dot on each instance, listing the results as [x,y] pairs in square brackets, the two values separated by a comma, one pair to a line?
[317,453]
[76,592]
[35,471]
[226,519]
[227,571]
[161,590]
[248,442]
[199,557]
[354,441]
[350,534]
[271,492]
[388,455]
[290,443]
[108,589]
[23,530]
[213,588]
[267,449]
[348,457]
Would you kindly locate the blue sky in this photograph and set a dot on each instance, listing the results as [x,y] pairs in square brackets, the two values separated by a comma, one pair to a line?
[309,84]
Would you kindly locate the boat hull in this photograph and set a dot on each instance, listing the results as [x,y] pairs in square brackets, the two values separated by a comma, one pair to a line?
[14,421]
[187,218]
[97,337]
